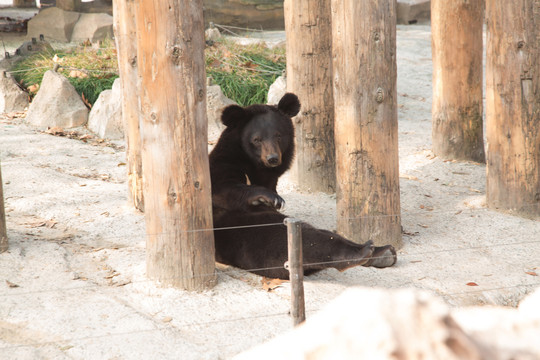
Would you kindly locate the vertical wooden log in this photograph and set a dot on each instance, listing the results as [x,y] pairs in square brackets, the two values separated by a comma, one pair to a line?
[295,266]
[3,228]
[126,45]
[24,3]
[513,106]
[365,100]
[309,75]
[456,46]
[177,195]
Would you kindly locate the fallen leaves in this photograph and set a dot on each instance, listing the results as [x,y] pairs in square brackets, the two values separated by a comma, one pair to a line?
[471,284]
[532,273]
[11,285]
[270,284]
[47,223]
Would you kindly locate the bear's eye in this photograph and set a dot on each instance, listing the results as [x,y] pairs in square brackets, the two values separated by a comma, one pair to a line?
[278,136]
[256,140]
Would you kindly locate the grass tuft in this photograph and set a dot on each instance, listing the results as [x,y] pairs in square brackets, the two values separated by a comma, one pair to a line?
[244,72]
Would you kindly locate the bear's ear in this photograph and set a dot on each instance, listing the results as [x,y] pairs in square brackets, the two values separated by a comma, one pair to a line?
[289,104]
[233,115]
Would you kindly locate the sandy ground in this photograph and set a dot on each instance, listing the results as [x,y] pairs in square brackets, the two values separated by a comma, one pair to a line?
[73,284]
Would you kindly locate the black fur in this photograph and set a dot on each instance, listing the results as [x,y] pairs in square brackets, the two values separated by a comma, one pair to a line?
[244,152]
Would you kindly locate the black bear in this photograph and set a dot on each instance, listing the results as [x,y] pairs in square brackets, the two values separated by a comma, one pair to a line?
[254,150]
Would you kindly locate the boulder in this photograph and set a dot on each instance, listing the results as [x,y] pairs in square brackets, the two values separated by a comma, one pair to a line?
[413,11]
[215,102]
[12,97]
[277,90]
[513,333]
[93,27]
[57,103]
[105,118]
[212,34]
[54,24]
[69,5]
[376,324]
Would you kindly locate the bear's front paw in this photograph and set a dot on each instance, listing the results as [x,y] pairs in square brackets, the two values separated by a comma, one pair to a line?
[274,201]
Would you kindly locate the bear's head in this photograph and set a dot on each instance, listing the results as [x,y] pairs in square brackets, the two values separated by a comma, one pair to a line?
[266,131]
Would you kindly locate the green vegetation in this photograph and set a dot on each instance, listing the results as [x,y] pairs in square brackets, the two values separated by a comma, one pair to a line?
[244,72]
[100,69]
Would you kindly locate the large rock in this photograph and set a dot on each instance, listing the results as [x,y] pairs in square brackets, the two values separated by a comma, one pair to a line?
[93,27]
[12,97]
[57,104]
[514,333]
[413,11]
[376,324]
[54,24]
[105,118]
[277,90]
[215,102]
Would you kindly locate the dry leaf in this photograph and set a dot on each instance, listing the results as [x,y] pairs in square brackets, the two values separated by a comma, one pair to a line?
[471,284]
[33,88]
[56,130]
[85,101]
[532,273]
[424,226]
[474,190]
[166,319]
[11,285]
[77,74]
[408,177]
[269,284]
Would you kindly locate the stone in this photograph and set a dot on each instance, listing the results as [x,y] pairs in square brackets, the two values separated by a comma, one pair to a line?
[57,104]
[215,102]
[53,23]
[32,47]
[513,333]
[69,5]
[105,118]
[413,11]
[93,27]
[277,90]
[376,324]
[12,97]
[212,34]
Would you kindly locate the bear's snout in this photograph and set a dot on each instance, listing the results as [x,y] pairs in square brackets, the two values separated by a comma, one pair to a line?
[273,160]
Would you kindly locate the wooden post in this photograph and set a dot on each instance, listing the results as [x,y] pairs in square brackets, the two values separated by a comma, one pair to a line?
[513,106]
[295,265]
[3,228]
[177,195]
[126,45]
[309,75]
[456,47]
[365,100]
[24,3]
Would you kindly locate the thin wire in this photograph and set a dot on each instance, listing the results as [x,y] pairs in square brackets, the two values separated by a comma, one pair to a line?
[206,323]
[236,270]
[246,68]
[238,28]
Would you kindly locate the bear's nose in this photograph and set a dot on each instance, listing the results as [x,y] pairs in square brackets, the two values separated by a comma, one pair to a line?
[273,159]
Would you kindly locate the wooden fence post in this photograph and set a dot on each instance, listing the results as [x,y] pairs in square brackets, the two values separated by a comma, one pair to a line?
[3,229]
[174,133]
[125,31]
[365,101]
[309,75]
[295,265]
[513,106]
[456,46]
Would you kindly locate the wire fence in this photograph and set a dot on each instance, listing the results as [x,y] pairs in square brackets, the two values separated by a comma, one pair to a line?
[19,292]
